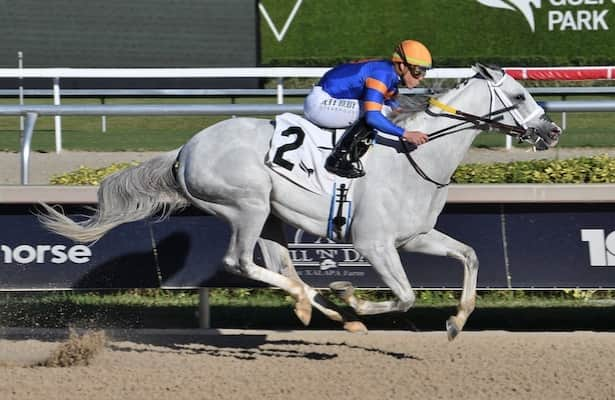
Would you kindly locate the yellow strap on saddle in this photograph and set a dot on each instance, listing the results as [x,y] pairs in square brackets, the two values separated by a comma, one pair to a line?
[445,107]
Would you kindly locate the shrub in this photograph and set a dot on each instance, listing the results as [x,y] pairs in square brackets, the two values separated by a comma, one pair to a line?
[596,169]
[88,176]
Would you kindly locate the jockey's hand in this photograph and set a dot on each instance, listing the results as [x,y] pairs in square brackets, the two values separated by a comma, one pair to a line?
[415,137]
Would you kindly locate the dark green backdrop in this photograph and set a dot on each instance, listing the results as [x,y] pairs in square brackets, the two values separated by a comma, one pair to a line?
[129,33]
[457,31]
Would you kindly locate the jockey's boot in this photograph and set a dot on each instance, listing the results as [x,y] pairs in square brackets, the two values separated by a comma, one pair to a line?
[342,161]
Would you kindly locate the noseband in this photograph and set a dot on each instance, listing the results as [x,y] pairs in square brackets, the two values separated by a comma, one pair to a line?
[489,121]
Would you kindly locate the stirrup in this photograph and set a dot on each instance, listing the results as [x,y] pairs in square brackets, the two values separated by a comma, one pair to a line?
[343,168]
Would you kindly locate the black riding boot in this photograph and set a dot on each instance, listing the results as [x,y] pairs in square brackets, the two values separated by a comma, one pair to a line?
[342,159]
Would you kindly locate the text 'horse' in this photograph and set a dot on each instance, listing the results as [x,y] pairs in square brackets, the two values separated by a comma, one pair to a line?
[222,171]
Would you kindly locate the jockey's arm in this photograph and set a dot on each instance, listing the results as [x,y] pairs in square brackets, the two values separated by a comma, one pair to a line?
[373,101]
[377,120]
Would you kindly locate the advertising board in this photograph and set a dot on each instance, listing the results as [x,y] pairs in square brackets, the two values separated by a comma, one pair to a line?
[518,246]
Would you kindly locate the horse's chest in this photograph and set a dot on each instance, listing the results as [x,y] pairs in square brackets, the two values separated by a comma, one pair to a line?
[422,216]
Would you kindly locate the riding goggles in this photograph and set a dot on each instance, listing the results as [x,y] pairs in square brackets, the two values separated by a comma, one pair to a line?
[417,71]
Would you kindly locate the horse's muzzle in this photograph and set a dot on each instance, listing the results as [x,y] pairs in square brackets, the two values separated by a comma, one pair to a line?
[545,135]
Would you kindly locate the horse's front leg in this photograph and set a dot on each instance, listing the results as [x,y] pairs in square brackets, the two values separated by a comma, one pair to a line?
[439,244]
[384,258]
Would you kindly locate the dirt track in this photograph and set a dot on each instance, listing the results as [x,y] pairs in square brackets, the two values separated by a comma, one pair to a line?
[321,365]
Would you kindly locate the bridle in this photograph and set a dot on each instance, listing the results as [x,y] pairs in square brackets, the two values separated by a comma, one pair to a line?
[489,121]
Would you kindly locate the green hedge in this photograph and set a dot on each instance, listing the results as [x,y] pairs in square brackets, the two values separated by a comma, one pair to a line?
[596,169]
[88,176]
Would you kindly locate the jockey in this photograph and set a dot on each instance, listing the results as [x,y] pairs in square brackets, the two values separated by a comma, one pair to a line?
[354,96]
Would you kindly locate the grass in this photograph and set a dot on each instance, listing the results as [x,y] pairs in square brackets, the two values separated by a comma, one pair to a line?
[148,133]
[272,309]
[596,129]
[158,133]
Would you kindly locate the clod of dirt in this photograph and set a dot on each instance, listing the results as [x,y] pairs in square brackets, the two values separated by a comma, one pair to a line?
[77,350]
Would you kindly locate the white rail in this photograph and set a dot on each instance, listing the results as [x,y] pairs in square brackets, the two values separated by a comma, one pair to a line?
[31,113]
[256,72]
[279,73]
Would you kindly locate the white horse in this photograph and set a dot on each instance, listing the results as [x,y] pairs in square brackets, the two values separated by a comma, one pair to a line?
[222,171]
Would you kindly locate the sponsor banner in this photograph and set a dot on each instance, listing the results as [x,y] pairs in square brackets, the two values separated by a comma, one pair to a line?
[570,245]
[559,15]
[518,246]
[33,258]
[190,248]
[320,261]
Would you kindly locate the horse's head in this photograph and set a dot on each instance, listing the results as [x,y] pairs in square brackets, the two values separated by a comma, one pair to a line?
[522,110]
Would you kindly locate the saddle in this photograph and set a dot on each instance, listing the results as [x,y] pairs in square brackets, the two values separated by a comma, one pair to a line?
[298,151]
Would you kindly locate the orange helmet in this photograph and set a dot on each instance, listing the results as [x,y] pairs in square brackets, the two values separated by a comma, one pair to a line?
[412,52]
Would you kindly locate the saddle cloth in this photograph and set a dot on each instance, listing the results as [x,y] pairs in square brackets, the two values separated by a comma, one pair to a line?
[298,152]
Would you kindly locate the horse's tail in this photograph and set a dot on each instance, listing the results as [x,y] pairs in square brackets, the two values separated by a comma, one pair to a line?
[126,196]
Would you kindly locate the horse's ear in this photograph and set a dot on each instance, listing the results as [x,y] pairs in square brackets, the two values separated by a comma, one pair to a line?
[483,71]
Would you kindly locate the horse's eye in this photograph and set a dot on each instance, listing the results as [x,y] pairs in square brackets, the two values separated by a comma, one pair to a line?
[520,97]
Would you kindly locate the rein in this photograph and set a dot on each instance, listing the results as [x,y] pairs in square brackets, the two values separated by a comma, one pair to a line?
[417,168]
[507,129]
[481,122]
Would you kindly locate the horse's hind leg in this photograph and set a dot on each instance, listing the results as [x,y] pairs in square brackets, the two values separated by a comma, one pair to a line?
[246,222]
[437,243]
[274,248]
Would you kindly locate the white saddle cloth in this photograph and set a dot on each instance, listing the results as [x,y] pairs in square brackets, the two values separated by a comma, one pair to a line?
[298,152]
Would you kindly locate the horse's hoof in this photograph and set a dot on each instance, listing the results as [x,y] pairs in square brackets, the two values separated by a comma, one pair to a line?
[342,289]
[303,311]
[355,327]
[452,328]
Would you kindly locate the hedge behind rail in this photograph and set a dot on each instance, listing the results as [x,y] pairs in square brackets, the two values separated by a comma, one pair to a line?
[595,169]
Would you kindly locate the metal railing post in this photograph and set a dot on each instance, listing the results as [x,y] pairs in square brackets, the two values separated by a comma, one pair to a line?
[563,115]
[280,90]
[103,118]
[21,93]
[204,314]
[57,118]
[508,142]
[26,145]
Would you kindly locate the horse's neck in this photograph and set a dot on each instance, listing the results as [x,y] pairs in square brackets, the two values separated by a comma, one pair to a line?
[443,155]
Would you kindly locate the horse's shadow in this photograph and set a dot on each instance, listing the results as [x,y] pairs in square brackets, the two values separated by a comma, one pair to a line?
[245,347]
[138,269]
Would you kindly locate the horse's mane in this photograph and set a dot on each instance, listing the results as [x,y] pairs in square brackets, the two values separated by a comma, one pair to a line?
[409,105]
